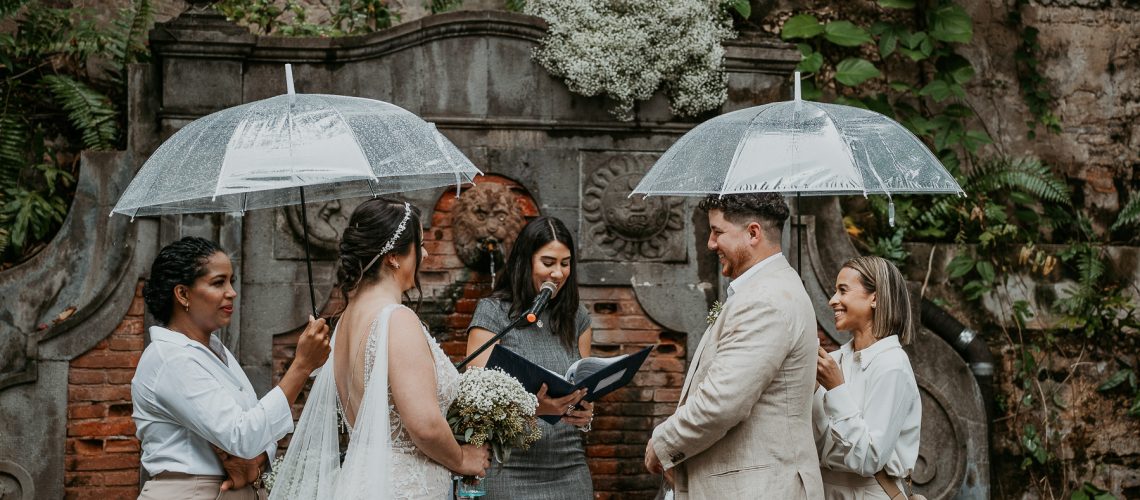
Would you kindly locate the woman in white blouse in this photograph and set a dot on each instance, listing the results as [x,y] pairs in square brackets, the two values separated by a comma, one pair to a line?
[867,410]
[197,416]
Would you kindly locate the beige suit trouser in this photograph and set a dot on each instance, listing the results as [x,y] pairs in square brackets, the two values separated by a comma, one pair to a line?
[174,486]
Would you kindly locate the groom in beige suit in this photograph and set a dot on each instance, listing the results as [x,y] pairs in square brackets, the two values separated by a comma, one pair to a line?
[742,428]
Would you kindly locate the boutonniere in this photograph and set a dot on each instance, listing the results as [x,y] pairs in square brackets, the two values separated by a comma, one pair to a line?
[714,311]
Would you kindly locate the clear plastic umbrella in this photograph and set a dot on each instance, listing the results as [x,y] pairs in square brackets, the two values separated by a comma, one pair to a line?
[257,155]
[798,147]
[290,149]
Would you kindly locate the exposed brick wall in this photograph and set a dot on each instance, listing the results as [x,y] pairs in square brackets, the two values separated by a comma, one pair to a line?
[625,418]
[102,456]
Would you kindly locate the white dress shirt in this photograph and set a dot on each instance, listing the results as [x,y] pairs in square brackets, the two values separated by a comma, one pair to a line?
[735,284]
[185,398]
[871,421]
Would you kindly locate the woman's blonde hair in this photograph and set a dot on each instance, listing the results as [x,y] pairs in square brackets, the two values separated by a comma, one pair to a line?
[891,315]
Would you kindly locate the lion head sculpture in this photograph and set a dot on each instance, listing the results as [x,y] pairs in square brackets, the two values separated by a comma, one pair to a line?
[486,220]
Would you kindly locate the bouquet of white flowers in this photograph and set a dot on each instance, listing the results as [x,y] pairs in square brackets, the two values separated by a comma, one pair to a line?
[493,408]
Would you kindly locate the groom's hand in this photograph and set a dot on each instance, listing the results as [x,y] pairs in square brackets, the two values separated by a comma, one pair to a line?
[652,464]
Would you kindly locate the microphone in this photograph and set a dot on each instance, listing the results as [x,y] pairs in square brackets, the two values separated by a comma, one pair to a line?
[544,292]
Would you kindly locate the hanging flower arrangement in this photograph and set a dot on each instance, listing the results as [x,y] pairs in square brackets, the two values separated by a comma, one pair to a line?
[627,49]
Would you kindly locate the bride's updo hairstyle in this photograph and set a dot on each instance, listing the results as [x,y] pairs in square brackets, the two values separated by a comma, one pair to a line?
[371,234]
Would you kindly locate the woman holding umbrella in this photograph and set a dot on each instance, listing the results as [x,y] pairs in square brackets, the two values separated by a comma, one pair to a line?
[867,410]
[192,401]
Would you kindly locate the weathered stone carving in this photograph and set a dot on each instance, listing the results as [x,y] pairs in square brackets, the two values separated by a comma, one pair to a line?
[616,226]
[486,221]
[15,482]
[326,223]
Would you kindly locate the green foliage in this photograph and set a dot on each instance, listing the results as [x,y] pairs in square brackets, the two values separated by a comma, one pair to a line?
[1130,214]
[63,76]
[345,17]
[516,5]
[440,6]
[844,61]
[1118,379]
[1033,85]
[1090,492]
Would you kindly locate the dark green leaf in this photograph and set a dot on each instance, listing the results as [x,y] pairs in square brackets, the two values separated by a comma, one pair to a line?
[810,63]
[897,4]
[986,270]
[974,139]
[853,71]
[846,34]
[961,266]
[887,44]
[939,90]
[809,91]
[801,26]
[901,87]
[1116,379]
[743,7]
[951,23]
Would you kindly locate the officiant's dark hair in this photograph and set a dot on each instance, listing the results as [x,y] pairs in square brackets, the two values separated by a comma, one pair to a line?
[371,226]
[516,284]
[179,263]
[768,209]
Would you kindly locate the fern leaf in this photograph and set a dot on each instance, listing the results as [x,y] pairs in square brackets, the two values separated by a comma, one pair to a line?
[13,148]
[89,111]
[1130,214]
[7,8]
[1025,174]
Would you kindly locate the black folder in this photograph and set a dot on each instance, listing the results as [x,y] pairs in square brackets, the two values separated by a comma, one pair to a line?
[612,374]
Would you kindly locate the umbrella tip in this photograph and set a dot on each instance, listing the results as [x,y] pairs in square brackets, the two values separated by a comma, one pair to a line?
[289,79]
[797,86]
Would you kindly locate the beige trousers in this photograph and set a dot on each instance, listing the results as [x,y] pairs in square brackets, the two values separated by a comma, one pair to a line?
[847,486]
[175,486]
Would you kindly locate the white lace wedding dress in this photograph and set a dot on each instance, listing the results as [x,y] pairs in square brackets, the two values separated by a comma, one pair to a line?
[382,461]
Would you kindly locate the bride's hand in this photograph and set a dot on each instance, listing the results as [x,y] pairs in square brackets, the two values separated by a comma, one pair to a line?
[475,461]
[557,406]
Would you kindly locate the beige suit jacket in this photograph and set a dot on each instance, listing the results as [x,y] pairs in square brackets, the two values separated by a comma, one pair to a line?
[742,428]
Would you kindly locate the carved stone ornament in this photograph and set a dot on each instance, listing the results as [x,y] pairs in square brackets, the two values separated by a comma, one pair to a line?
[486,220]
[616,226]
[326,222]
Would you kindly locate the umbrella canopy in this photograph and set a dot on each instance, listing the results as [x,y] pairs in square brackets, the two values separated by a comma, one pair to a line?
[257,155]
[798,147]
[290,149]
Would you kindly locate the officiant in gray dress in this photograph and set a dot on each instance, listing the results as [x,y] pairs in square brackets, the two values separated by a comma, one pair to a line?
[555,467]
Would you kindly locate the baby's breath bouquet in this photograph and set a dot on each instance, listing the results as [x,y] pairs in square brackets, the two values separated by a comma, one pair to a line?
[493,408]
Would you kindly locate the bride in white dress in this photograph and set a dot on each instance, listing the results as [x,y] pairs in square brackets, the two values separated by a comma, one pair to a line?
[400,445]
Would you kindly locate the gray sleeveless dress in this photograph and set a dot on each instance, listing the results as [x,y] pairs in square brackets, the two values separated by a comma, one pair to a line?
[555,467]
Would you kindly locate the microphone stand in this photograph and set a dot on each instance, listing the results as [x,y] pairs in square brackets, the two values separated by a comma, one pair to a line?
[519,321]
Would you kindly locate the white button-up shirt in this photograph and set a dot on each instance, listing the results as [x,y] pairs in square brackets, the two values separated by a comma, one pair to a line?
[185,397]
[871,421]
[735,284]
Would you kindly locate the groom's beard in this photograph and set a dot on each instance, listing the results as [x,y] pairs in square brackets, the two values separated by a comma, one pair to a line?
[733,262]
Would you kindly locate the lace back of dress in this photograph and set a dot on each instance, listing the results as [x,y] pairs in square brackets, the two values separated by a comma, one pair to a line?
[312,468]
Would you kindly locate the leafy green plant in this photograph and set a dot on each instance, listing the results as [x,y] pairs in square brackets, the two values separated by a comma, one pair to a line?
[844,61]
[1090,492]
[344,17]
[1034,89]
[1124,378]
[62,75]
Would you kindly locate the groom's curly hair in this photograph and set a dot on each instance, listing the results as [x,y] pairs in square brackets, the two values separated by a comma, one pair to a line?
[768,209]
